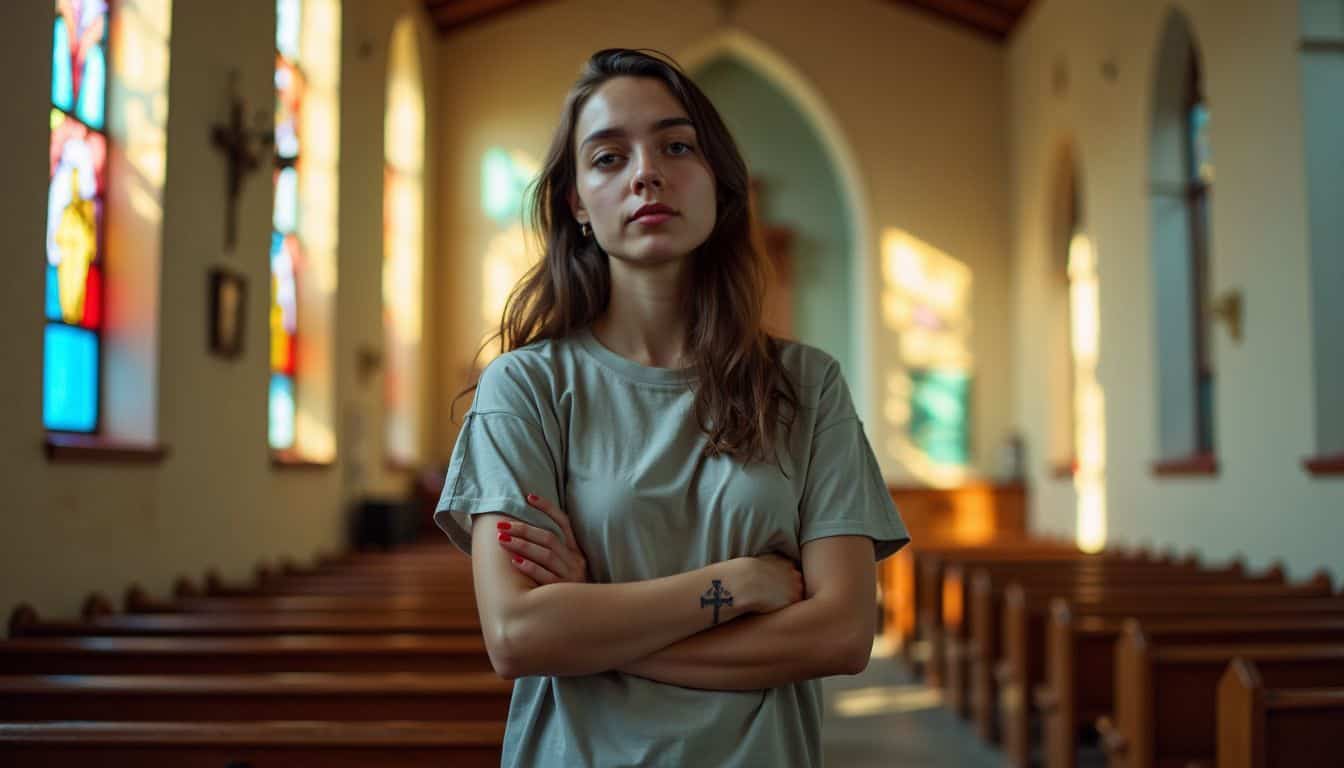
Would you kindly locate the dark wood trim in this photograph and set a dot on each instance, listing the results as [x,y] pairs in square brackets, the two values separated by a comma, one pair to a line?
[65,447]
[291,460]
[1327,465]
[1190,466]
[1323,44]
[396,465]
[1064,469]
[451,16]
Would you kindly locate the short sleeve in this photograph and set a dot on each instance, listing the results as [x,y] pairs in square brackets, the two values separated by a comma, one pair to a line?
[501,454]
[844,493]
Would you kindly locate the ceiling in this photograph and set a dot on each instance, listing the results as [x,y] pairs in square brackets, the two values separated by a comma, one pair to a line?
[994,19]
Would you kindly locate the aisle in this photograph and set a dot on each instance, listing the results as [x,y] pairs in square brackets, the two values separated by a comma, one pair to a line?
[884,719]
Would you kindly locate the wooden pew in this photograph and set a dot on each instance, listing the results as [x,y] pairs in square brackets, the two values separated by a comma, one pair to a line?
[431,654]
[1080,661]
[959,601]
[137,601]
[25,623]
[1261,727]
[1021,666]
[1166,696]
[255,745]
[305,696]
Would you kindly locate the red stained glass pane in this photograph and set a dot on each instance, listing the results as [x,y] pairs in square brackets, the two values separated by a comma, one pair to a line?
[93,298]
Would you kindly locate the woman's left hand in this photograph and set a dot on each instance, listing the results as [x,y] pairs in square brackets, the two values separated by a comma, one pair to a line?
[540,554]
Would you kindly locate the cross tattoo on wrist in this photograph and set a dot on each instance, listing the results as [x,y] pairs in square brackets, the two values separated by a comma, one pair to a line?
[716,596]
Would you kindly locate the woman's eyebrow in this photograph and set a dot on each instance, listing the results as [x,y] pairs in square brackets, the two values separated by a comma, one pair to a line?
[661,125]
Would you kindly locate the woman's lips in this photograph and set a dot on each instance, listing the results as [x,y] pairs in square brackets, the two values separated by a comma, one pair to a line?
[649,219]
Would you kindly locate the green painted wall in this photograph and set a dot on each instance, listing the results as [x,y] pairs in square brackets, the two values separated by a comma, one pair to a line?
[802,190]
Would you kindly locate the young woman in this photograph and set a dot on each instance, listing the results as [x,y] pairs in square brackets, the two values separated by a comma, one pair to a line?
[673,517]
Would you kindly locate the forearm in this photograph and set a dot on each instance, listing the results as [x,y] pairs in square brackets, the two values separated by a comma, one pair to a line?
[579,629]
[806,640]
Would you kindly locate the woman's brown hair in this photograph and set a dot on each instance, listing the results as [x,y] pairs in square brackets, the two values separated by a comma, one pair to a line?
[743,389]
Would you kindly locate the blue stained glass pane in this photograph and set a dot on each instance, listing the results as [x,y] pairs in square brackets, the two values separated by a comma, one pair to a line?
[940,415]
[53,294]
[286,200]
[93,89]
[62,82]
[70,379]
[287,25]
[282,412]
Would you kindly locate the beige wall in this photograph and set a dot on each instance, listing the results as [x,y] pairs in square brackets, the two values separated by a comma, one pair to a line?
[215,500]
[1262,504]
[920,105]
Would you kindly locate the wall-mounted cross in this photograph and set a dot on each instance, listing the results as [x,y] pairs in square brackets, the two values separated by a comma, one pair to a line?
[236,141]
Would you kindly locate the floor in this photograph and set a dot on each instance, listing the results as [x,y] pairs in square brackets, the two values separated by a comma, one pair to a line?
[885,719]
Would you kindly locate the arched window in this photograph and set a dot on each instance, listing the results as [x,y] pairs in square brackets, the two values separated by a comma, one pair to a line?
[303,237]
[403,244]
[1182,172]
[76,204]
[1323,126]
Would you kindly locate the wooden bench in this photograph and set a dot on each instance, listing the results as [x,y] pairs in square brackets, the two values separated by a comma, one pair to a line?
[1080,661]
[306,696]
[251,745]
[1261,727]
[1166,696]
[958,606]
[1021,666]
[137,601]
[432,654]
[25,623]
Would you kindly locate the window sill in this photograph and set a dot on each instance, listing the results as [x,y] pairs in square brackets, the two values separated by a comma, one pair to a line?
[1064,469]
[1200,464]
[70,448]
[1322,466]
[288,460]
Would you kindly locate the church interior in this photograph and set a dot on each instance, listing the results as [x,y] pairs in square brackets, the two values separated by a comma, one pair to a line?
[1078,260]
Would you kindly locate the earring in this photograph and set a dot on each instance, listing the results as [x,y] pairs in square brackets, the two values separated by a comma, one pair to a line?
[584,229]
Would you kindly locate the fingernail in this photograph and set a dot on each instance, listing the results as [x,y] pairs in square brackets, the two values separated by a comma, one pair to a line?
[505,537]
[502,526]
[531,497]
[517,559]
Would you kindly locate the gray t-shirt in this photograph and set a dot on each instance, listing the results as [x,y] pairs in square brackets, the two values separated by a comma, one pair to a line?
[617,443]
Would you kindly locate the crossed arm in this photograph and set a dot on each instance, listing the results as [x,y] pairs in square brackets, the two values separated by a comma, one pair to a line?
[657,629]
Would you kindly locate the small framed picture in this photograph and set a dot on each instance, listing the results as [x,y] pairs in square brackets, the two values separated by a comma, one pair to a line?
[228,291]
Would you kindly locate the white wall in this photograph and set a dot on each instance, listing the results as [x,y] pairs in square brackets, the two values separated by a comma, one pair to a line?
[1262,503]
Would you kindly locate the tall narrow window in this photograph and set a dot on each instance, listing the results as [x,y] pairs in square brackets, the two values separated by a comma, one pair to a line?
[286,247]
[1181,175]
[303,236]
[403,244]
[1199,165]
[76,201]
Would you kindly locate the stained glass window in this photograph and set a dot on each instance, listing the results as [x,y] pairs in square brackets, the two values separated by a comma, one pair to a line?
[75,205]
[1200,171]
[286,248]
[403,244]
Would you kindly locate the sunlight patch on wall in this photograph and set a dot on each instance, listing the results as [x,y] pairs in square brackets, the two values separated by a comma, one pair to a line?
[509,254]
[926,305]
[1088,399]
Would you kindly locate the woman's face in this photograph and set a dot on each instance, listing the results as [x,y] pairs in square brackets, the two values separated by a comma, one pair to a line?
[634,145]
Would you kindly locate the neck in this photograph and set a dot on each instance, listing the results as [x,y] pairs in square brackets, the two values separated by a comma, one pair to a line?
[645,318]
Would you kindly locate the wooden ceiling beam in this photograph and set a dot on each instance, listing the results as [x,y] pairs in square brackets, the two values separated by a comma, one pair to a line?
[988,17]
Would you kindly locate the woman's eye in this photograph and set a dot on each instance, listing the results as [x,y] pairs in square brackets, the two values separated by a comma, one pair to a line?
[599,160]
[688,147]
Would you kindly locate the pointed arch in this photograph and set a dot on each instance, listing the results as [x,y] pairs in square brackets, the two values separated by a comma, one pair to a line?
[863,273]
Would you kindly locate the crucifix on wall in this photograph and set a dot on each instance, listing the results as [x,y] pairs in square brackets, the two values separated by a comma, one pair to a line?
[236,141]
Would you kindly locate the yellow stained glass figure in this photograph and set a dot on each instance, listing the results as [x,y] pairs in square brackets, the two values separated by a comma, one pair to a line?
[77,242]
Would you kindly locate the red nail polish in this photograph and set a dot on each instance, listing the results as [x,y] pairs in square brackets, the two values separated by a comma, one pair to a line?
[505,537]
[531,497]
[517,559]
[502,526]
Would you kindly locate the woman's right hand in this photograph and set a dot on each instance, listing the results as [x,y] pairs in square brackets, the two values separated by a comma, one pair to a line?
[773,582]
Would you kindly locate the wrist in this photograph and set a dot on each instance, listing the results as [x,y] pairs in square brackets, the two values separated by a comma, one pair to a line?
[735,579]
